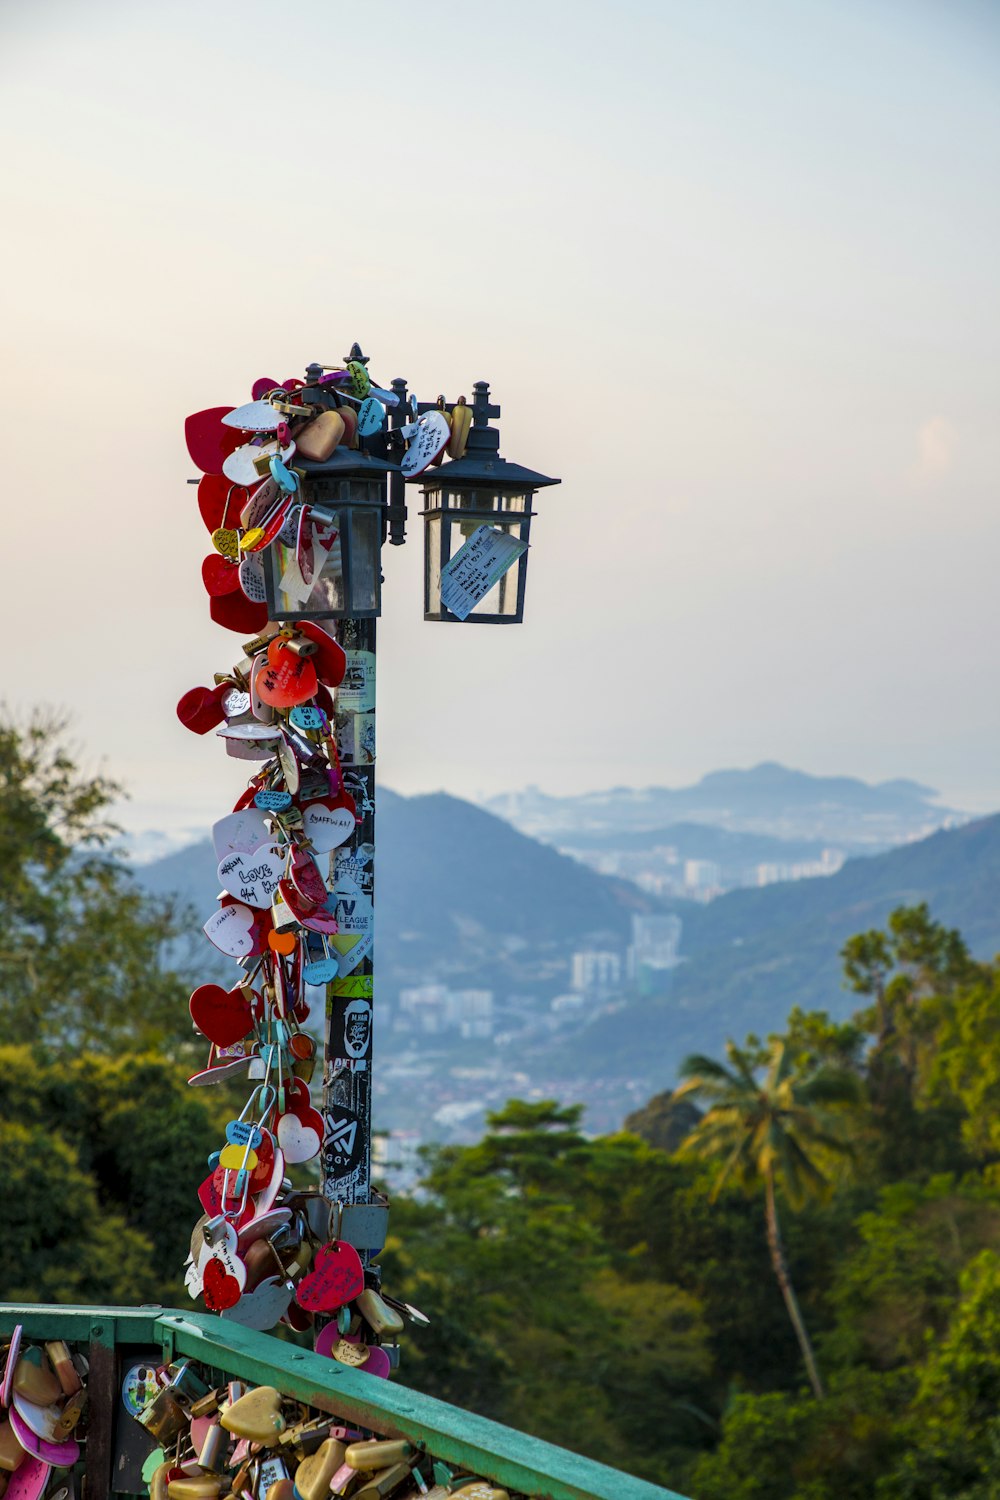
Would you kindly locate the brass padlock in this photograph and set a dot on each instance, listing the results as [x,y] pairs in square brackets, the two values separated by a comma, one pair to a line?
[386,1482]
[71,1414]
[62,1362]
[314,1474]
[164,1417]
[381,1318]
[379,1453]
[214,1449]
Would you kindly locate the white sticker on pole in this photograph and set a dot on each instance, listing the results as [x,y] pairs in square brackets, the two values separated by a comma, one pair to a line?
[478,564]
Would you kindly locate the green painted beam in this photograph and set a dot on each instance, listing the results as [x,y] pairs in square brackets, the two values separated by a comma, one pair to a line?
[460,1438]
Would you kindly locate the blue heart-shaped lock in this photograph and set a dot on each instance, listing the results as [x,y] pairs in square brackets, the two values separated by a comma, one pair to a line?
[321,971]
[306,716]
[273,801]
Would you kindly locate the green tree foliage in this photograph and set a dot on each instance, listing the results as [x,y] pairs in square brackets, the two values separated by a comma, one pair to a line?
[102,1161]
[539,1318]
[617,1294]
[82,949]
[772,1131]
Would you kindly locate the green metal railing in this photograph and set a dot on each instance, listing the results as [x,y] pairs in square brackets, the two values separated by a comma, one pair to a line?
[511,1459]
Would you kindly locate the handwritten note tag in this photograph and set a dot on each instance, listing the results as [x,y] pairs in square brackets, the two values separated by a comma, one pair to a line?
[477,565]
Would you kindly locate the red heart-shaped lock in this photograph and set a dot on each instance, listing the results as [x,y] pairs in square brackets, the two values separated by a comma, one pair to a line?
[261,1174]
[219,1289]
[210,1198]
[306,878]
[200,709]
[336,1278]
[224,1016]
[297,905]
[260,388]
[219,575]
[287,679]
[213,495]
[236,612]
[330,659]
[208,441]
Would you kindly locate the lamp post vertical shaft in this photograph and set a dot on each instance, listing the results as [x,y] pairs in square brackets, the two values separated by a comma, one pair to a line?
[347,1077]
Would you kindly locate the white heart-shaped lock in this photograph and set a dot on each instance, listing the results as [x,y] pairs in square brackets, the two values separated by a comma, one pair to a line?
[252,580]
[239,466]
[193,1280]
[431,438]
[253,878]
[239,832]
[299,1142]
[231,929]
[235,703]
[255,416]
[327,828]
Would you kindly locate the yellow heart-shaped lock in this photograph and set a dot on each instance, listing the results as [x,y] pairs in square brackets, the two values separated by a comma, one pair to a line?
[256,1416]
[235,1157]
[226,541]
[194,1487]
[313,1475]
[251,538]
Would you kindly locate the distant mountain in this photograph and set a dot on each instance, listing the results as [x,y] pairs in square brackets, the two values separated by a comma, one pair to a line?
[748,957]
[768,799]
[460,897]
[700,841]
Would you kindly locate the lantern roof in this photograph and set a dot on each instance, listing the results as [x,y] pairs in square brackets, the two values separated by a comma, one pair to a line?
[346,463]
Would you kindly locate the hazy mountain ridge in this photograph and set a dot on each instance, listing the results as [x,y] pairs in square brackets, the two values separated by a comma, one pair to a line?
[768,798]
[749,956]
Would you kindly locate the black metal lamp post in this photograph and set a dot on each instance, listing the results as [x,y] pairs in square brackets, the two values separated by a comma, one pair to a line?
[480,489]
[359,493]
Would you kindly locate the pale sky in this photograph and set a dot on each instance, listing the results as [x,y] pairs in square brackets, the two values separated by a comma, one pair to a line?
[730,267]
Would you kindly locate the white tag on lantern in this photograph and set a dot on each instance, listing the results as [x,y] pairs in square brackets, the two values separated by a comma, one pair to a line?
[478,564]
[432,436]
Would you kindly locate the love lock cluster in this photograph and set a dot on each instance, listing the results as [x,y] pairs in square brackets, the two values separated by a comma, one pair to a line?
[263,1251]
[236,1442]
[251,496]
[43,1413]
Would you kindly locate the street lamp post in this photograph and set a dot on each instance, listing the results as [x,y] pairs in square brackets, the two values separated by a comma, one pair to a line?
[477,515]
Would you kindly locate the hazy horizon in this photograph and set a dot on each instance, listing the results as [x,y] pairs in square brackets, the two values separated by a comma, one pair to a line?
[730,270]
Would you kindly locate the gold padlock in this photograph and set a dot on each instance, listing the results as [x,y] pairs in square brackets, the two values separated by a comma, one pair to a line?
[62,1362]
[71,1414]
[163,1417]
[378,1453]
[381,1318]
[386,1482]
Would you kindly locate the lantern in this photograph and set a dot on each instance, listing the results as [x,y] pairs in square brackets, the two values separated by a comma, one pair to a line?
[336,572]
[481,500]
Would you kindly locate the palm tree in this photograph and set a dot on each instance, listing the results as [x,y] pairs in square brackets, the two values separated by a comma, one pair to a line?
[769,1131]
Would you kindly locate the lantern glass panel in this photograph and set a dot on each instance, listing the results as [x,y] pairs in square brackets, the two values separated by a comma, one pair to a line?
[328,594]
[365,568]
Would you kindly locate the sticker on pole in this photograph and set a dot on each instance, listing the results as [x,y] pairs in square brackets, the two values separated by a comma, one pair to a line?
[478,564]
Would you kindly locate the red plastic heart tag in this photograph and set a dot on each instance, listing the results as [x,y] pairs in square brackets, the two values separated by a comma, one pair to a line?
[337,1277]
[219,575]
[208,441]
[224,1016]
[236,612]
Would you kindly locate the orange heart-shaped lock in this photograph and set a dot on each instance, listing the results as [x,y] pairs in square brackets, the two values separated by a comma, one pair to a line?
[287,679]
